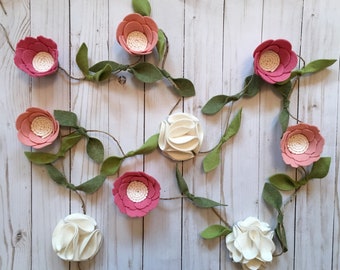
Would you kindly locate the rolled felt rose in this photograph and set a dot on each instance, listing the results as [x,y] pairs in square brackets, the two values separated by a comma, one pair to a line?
[76,238]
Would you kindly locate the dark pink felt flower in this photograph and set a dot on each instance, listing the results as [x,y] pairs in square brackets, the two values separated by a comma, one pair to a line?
[274,60]
[301,145]
[137,34]
[37,57]
[37,128]
[136,193]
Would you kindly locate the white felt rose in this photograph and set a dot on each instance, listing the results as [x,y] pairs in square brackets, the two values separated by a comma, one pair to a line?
[180,136]
[76,238]
[250,243]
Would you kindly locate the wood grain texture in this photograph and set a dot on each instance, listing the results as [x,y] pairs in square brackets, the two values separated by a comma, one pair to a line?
[211,43]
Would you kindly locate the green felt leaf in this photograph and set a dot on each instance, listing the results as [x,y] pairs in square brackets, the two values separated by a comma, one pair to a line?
[146,72]
[272,196]
[320,168]
[161,44]
[92,185]
[205,203]
[252,85]
[142,7]
[101,65]
[214,231]
[215,104]
[284,119]
[281,233]
[182,185]
[41,158]
[82,59]
[284,89]
[111,165]
[95,149]
[212,159]
[66,118]
[317,65]
[103,74]
[68,142]
[233,128]
[283,182]
[150,145]
[183,87]
[58,177]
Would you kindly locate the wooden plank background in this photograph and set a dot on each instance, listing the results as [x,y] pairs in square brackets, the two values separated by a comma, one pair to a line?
[211,43]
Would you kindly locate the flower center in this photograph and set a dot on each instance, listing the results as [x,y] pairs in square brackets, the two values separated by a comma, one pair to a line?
[137,41]
[269,61]
[42,62]
[42,126]
[298,144]
[137,191]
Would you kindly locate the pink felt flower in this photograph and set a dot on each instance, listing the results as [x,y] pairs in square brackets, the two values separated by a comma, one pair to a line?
[274,60]
[37,128]
[137,34]
[301,145]
[136,193]
[37,57]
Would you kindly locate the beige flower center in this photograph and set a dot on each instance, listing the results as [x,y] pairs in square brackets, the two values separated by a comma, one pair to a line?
[42,62]
[298,144]
[137,41]
[269,61]
[42,126]
[137,191]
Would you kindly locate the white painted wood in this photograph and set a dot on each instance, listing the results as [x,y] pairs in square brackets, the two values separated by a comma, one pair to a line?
[211,43]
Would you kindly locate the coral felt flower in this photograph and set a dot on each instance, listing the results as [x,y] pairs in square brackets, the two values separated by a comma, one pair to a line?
[180,136]
[76,238]
[136,193]
[137,34]
[274,60]
[37,128]
[250,243]
[301,145]
[37,57]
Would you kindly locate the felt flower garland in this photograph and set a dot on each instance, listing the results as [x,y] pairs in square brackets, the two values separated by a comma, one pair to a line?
[249,242]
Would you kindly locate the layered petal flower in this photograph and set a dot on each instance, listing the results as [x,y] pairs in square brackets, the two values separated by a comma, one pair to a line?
[37,128]
[136,193]
[250,243]
[137,34]
[180,136]
[76,238]
[301,145]
[37,57]
[274,60]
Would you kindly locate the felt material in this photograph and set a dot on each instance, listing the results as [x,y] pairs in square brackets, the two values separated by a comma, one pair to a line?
[26,51]
[136,193]
[307,140]
[137,23]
